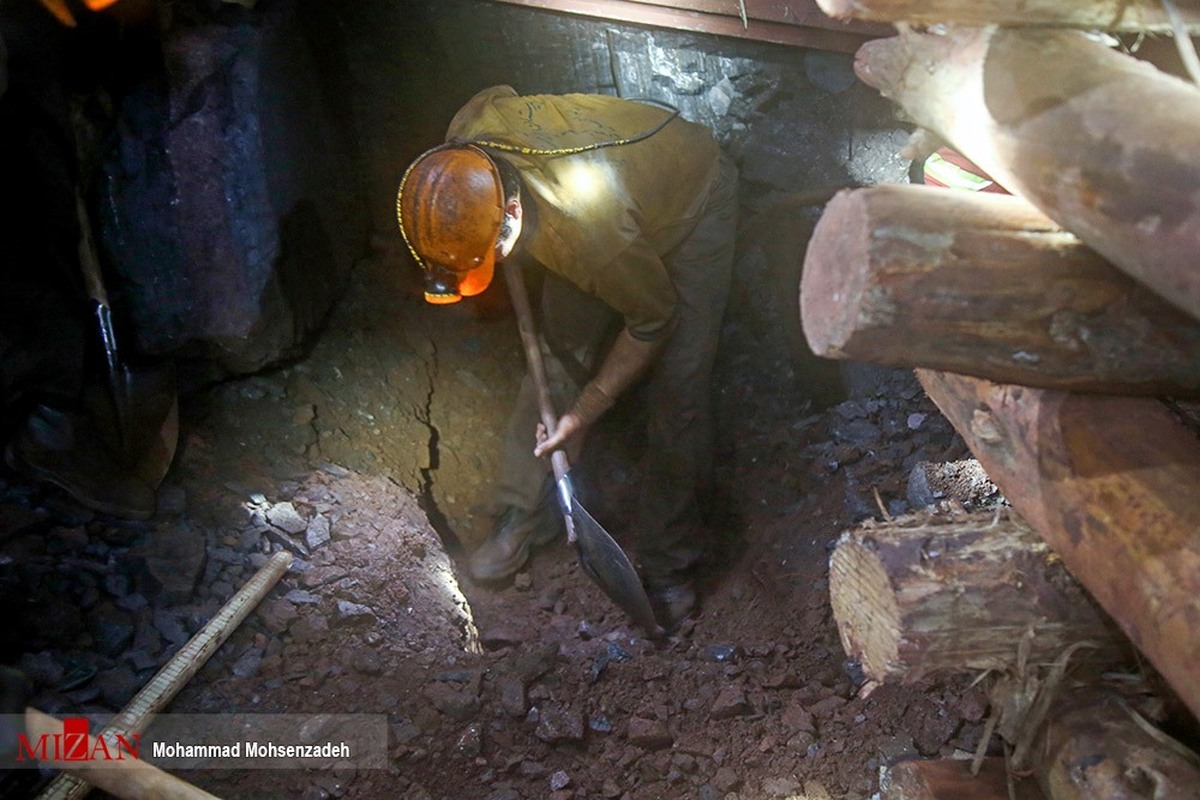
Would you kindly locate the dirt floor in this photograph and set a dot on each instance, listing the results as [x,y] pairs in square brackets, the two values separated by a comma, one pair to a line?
[385,436]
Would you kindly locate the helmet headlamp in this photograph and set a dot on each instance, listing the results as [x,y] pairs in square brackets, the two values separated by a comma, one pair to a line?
[444,285]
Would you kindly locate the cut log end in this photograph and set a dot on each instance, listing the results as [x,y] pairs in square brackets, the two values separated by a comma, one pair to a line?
[839,239]
[925,595]
[864,604]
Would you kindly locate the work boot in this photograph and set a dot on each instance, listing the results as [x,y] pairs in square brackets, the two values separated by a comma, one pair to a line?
[60,448]
[16,693]
[671,600]
[517,532]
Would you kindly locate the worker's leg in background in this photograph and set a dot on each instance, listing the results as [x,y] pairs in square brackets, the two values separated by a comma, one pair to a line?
[44,314]
[677,468]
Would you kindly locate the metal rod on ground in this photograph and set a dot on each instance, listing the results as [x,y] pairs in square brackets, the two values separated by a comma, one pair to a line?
[175,674]
[599,554]
[128,779]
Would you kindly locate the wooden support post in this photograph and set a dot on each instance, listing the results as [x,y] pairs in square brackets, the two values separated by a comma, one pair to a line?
[1134,16]
[924,595]
[1109,483]
[986,285]
[1096,747]
[946,779]
[1103,144]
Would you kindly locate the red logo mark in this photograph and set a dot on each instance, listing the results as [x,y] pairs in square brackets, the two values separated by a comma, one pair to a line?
[74,744]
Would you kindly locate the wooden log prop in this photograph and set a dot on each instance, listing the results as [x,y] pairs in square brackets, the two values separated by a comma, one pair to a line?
[1134,16]
[986,285]
[181,668]
[1096,747]
[951,779]
[925,595]
[1102,143]
[127,778]
[1109,483]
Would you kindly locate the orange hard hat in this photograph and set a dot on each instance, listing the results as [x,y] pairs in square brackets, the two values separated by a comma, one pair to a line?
[450,206]
[63,14]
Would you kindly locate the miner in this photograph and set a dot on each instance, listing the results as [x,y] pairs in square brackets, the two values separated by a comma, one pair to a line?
[627,212]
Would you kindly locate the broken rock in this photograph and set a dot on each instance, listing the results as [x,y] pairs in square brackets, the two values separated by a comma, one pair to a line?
[348,611]
[556,725]
[649,734]
[731,702]
[963,482]
[285,517]
[175,558]
[512,697]
[459,704]
[317,533]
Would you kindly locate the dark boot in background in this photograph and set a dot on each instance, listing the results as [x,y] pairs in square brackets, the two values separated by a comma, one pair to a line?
[672,599]
[62,448]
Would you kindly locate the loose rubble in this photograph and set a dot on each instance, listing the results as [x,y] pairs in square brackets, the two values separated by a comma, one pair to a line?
[539,688]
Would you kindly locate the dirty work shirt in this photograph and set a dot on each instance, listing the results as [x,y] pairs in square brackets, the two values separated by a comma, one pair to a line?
[606,217]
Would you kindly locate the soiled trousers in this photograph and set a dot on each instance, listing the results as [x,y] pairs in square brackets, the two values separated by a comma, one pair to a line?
[676,471]
[43,303]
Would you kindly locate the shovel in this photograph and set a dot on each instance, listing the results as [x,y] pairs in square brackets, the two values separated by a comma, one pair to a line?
[140,420]
[599,554]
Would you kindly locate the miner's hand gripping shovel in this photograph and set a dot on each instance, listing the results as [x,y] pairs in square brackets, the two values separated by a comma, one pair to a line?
[599,555]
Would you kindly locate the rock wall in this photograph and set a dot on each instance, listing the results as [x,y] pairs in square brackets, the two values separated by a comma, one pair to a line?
[230,200]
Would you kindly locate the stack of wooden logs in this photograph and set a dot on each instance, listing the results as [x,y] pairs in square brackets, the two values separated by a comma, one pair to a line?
[1058,329]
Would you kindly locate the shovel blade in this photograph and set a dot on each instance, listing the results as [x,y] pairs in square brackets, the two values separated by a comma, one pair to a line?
[137,415]
[606,563]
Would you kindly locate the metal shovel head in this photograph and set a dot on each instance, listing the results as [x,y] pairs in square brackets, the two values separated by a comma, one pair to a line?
[606,563]
[137,415]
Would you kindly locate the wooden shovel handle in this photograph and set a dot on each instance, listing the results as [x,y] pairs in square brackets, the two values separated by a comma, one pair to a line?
[128,779]
[533,357]
[167,682]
